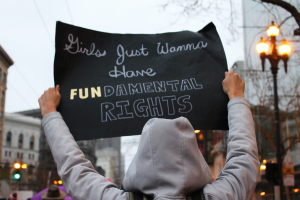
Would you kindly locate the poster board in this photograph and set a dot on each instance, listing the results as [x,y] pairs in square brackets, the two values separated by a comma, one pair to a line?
[112,84]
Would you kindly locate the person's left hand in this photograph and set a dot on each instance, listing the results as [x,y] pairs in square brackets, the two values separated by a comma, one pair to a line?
[50,100]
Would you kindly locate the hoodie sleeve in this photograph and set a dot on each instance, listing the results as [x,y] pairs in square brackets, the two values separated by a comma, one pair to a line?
[239,176]
[81,181]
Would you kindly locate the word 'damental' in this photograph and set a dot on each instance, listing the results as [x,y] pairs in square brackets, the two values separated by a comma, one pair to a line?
[137,88]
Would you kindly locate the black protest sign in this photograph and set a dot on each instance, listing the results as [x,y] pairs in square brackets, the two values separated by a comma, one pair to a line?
[111,84]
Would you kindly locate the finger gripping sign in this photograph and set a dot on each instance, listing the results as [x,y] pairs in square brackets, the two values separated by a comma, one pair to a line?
[112,84]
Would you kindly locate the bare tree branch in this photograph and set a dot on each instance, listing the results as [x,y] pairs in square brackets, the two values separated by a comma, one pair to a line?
[287,6]
[287,149]
[284,21]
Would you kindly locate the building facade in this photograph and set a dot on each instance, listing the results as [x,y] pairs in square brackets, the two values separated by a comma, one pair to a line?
[5,63]
[47,167]
[20,145]
[21,139]
[109,158]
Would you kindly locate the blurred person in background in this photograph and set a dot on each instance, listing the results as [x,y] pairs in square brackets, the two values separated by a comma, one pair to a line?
[13,196]
[53,193]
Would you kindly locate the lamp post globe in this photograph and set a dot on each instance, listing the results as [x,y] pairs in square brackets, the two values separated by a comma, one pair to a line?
[284,48]
[262,46]
[272,30]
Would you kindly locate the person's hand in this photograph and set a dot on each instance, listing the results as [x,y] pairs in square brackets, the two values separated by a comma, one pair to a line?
[233,85]
[50,100]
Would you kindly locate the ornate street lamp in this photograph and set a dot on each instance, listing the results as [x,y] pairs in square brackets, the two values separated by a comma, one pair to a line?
[274,57]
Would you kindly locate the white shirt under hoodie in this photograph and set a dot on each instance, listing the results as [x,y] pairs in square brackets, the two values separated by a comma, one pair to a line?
[168,164]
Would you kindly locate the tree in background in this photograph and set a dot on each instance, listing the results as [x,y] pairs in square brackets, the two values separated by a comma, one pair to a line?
[201,7]
[261,83]
[263,115]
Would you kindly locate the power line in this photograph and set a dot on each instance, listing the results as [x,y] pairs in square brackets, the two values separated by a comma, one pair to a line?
[20,95]
[27,82]
[43,22]
[252,27]
[69,11]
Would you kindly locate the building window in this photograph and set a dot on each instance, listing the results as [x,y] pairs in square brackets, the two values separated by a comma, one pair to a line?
[9,154]
[31,143]
[2,97]
[20,144]
[32,156]
[21,155]
[8,139]
[29,156]
[5,153]
[4,78]
[18,154]
[30,169]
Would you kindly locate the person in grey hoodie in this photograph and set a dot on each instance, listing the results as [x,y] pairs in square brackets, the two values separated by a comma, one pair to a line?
[168,164]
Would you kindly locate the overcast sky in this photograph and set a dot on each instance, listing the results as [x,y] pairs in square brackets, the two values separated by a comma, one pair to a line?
[27,31]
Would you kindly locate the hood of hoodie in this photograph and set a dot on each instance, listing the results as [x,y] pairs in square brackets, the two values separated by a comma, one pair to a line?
[168,163]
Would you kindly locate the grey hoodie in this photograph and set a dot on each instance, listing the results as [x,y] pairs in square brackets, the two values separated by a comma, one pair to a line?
[168,163]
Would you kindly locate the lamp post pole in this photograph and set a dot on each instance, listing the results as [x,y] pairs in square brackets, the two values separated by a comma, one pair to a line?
[277,133]
[274,59]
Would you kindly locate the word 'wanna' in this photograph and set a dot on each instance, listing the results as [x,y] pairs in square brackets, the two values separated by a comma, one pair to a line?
[186,47]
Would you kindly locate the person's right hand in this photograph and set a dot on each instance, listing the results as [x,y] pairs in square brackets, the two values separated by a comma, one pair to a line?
[233,85]
[50,100]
